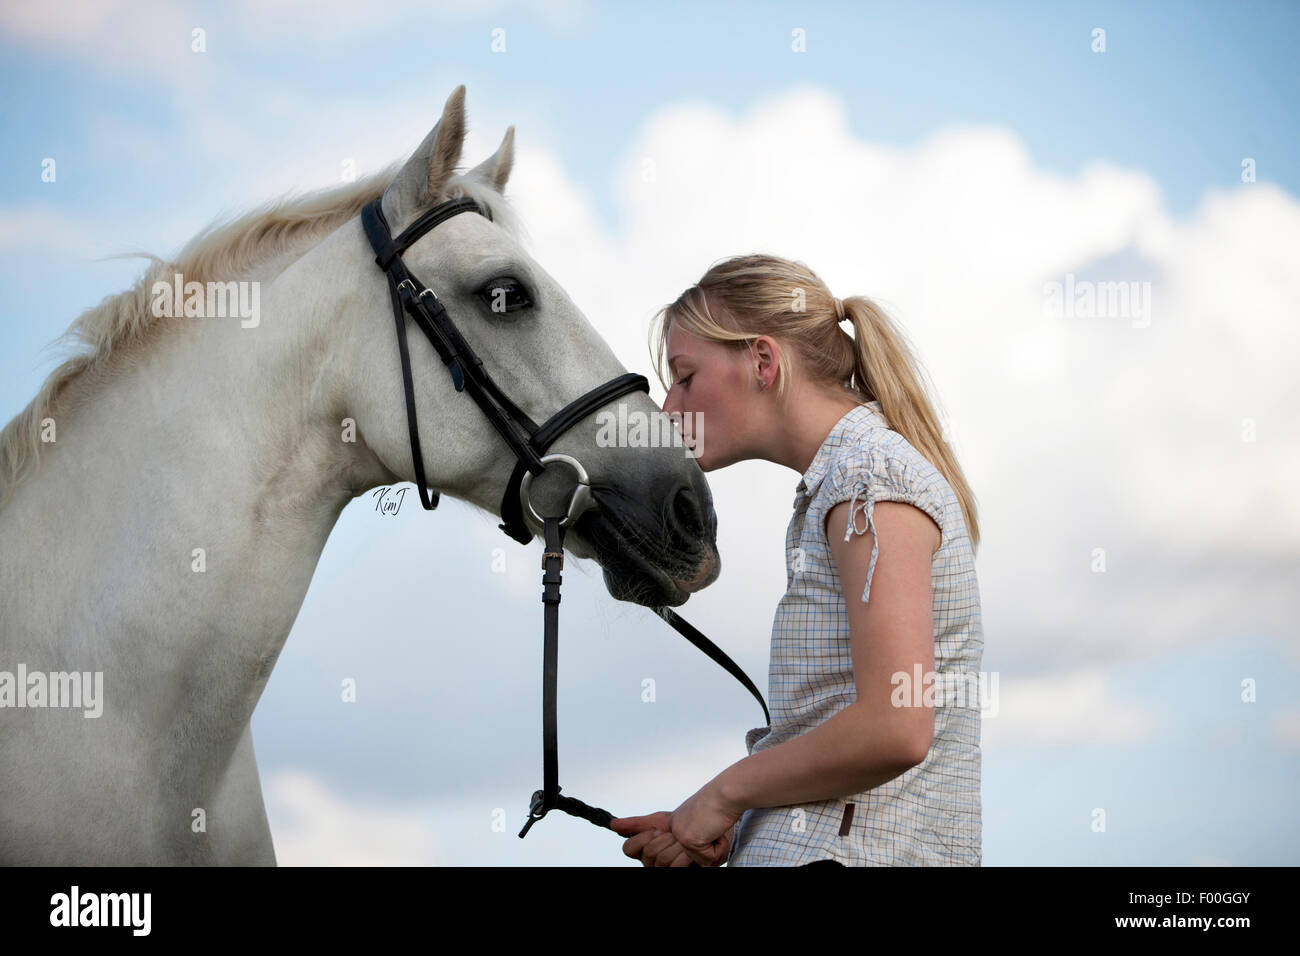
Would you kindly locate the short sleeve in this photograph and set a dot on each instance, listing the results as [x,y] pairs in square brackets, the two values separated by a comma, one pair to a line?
[867,474]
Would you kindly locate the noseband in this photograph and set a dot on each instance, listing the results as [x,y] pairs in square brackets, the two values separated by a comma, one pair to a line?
[529,443]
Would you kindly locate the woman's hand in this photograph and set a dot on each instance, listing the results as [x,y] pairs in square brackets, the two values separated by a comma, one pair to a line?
[703,826]
[698,831]
[652,841]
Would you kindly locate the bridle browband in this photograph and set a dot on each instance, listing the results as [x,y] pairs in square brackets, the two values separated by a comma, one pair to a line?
[529,443]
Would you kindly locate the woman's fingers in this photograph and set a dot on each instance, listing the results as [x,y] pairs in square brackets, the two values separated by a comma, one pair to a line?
[647,844]
[683,858]
[656,848]
[628,826]
[643,830]
[652,842]
[635,846]
[714,855]
[664,850]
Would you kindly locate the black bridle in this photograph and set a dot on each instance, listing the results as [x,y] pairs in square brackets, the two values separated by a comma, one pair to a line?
[529,443]
[521,433]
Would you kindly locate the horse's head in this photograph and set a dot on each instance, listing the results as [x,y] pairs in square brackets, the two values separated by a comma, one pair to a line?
[653,530]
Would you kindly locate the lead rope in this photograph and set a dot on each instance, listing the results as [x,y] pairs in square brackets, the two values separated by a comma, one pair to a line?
[549,798]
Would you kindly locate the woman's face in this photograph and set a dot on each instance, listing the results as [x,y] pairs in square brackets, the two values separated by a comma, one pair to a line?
[710,397]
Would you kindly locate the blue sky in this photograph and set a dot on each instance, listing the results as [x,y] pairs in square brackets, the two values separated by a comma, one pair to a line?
[1010,142]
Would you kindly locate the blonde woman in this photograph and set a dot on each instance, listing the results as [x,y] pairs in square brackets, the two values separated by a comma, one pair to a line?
[868,760]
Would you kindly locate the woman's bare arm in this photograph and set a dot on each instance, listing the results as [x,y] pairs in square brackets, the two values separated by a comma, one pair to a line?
[871,741]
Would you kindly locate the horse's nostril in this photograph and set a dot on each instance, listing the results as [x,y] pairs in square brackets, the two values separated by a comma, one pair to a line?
[686,510]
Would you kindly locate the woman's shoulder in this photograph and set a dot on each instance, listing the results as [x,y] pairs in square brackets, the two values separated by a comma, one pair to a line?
[884,457]
[882,465]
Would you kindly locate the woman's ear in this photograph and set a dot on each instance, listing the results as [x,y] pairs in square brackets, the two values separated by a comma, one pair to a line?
[765,351]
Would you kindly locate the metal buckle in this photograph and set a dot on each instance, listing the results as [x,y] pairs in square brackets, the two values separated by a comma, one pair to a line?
[580,502]
[552,554]
[535,811]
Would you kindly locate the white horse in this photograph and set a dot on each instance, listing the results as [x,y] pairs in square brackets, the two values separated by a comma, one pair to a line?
[165,499]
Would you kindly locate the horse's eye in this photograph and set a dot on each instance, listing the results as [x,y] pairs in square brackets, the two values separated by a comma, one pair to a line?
[505,294]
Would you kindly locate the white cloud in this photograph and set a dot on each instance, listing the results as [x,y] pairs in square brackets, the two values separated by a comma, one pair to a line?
[148,39]
[1063,710]
[1076,433]
[311,826]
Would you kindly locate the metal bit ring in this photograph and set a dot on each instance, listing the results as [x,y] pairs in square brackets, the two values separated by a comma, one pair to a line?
[581,500]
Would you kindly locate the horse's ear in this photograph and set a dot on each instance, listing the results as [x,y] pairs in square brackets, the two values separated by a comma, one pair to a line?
[495,170]
[419,183]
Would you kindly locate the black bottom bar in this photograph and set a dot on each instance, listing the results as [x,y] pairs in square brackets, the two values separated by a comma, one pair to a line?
[330,905]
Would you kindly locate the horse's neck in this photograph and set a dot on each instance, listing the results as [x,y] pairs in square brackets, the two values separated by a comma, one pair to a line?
[176,521]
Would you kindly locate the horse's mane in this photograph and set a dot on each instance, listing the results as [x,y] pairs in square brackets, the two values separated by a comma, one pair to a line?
[283,229]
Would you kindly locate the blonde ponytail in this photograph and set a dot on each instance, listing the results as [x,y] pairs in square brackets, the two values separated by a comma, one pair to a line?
[886,370]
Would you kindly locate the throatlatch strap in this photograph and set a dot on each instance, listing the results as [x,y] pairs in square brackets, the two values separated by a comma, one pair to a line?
[417,457]
[387,255]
